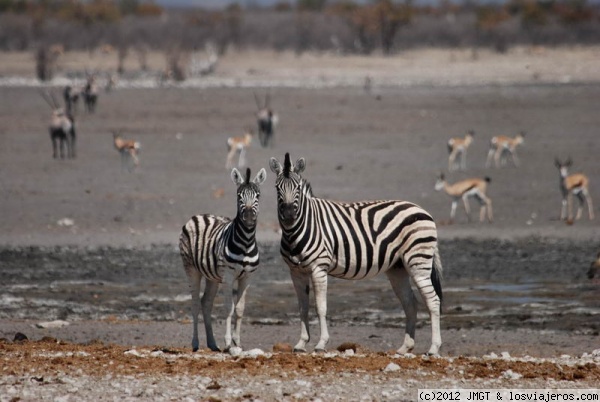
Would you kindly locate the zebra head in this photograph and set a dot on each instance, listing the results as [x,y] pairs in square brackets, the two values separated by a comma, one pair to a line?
[290,188]
[248,194]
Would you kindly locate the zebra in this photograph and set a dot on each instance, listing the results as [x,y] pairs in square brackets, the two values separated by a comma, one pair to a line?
[356,241]
[209,244]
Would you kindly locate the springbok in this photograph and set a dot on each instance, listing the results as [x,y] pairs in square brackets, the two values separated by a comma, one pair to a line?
[466,189]
[502,145]
[90,93]
[128,149]
[238,145]
[61,128]
[266,120]
[458,146]
[573,184]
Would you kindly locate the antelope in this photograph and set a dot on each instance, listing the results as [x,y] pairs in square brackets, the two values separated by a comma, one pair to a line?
[90,93]
[501,145]
[458,147]
[573,184]
[61,128]
[594,266]
[128,149]
[238,145]
[466,189]
[71,97]
[266,120]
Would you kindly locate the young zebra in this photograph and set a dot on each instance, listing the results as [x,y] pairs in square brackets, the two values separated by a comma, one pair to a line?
[573,184]
[356,241]
[465,189]
[213,247]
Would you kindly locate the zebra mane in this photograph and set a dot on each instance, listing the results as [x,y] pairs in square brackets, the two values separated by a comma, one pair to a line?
[247,175]
[287,165]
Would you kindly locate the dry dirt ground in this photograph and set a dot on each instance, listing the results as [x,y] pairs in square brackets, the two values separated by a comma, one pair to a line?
[390,143]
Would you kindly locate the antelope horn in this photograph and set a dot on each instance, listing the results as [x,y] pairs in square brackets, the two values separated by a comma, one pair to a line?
[54,101]
[257,101]
[47,99]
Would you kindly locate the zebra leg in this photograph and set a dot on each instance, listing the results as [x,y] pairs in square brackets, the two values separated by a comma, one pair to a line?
[400,281]
[208,298]
[319,281]
[195,280]
[229,307]
[421,272]
[301,283]
[239,309]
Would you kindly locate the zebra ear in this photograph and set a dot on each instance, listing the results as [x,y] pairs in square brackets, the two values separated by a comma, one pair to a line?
[237,177]
[275,166]
[300,165]
[261,176]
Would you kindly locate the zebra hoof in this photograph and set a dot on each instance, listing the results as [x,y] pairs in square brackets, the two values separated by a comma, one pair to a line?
[298,350]
[320,350]
[195,349]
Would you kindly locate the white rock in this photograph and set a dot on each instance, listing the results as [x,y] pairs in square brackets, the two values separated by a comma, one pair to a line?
[52,324]
[235,351]
[348,352]
[65,222]
[133,352]
[505,355]
[392,367]
[254,352]
[511,375]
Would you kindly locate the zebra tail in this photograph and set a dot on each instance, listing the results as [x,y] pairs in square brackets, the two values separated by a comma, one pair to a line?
[436,274]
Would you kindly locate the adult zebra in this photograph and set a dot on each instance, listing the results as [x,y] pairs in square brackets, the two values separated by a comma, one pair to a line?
[209,244]
[356,241]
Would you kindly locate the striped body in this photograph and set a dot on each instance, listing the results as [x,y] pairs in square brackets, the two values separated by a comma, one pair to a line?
[212,243]
[465,189]
[222,250]
[457,148]
[500,146]
[356,241]
[359,240]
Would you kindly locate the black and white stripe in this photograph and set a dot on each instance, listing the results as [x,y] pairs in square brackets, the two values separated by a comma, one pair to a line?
[356,241]
[210,244]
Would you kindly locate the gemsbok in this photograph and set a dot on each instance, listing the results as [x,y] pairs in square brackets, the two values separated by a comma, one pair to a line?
[129,150]
[266,120]
[573,184]
[501,147]
[238,146]
[90,93]
[457,148]
[466,189]
[71,97]
[61,128]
